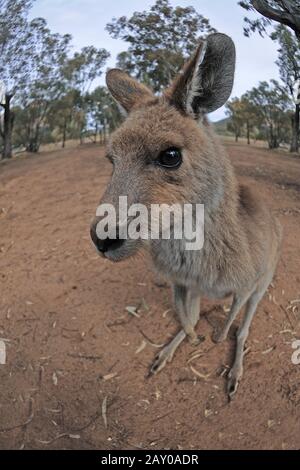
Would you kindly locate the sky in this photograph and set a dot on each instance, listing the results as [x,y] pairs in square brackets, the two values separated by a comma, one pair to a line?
[85,20]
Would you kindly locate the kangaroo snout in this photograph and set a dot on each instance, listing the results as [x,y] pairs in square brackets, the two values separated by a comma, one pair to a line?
[107,243]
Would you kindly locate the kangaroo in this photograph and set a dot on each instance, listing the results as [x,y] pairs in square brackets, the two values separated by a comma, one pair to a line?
[167,152]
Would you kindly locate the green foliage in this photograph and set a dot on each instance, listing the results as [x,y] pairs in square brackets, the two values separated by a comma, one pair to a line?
[81,71]
[65,117]
[159,41]
[243,116]
[49,90]
[264,110]
[236,122]
[288,56]
[15,43]
[283,17]
[47,84]
[84,67]
[289,68]
[102,109]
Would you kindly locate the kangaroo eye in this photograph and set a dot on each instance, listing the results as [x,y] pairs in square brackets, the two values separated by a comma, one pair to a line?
[170,158]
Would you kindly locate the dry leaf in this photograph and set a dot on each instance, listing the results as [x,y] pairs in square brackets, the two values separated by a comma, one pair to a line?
[132,311]
[104,408]
[202,376]
[267,351]
[109,376]
[54,378]
[2,353]
[141,347]
[195,356]
[166,313]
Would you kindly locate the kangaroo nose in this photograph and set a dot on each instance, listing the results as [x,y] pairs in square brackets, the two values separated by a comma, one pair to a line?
[106,244]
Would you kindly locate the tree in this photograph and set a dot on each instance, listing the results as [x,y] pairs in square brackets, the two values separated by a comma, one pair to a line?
[15,47]
[41,76]
[249,115]
[285,12]
[103,113]
[86,65]
[80,72]
[272,104]
[233,110]
[289,67]
[243,115]
[45,83]
[30,67]
[63,116]
[159,41]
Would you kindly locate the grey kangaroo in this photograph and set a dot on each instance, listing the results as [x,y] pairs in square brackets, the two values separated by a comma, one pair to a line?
[166,152]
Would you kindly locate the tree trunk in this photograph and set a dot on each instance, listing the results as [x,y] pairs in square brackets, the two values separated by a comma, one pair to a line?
[295,127]
[273,142]
[8,122]
[104,132]
[270,137]
[248,133]
[33,145]
[81,137]
[64,137]
[96,133]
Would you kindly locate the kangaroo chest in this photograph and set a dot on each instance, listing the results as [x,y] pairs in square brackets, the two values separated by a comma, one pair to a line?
[190,268]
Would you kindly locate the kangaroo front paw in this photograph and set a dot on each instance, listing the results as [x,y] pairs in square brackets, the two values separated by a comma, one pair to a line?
[161,360]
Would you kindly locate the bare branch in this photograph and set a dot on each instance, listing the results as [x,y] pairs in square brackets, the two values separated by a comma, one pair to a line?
[289,6]
[288,18]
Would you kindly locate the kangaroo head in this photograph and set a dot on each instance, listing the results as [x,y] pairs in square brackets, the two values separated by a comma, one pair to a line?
[163,152]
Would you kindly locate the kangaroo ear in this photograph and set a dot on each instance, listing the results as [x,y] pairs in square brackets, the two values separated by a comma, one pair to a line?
[206,81]
[126,90]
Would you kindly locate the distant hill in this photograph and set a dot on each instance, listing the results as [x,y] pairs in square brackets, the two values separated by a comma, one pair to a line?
[221,126]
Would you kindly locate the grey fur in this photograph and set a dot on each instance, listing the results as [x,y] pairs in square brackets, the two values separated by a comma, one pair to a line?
[242,238]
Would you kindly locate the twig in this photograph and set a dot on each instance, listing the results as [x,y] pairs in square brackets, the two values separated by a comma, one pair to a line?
[60,436]
[29,419]
[83,356]
[104,409]
[150,341]
[161,417]
[287,316]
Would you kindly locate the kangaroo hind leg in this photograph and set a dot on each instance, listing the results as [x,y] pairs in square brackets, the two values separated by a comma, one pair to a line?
[236,371]
[187,305]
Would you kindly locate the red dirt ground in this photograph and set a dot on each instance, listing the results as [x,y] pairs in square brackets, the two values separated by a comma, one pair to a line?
[75,356]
